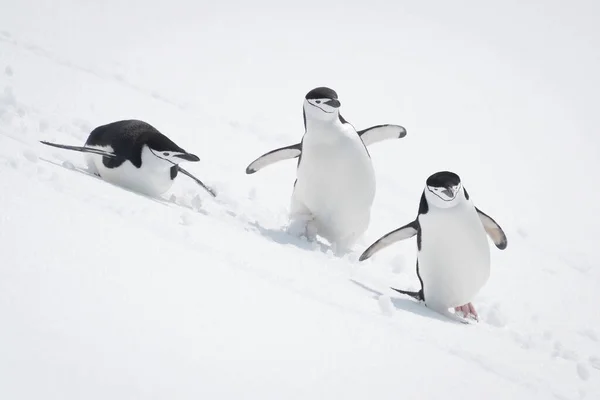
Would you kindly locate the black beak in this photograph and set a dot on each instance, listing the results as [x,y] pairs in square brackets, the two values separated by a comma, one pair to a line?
[188,157]
[448,192]
[333,103]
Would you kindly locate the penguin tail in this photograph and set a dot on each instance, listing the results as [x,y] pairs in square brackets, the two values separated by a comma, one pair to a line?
[81,149]
[416,295]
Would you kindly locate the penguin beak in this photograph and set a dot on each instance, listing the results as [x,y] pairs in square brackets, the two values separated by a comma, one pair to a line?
[449,192]
[187,157]
[333,103]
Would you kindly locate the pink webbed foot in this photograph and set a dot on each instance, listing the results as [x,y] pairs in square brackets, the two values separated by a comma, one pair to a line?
[467,311]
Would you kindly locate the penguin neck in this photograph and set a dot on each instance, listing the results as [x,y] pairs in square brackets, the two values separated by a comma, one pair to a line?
[317,124]
[152,162]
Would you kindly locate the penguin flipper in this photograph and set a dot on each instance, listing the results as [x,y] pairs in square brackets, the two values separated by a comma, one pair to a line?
[493,230]
[407,231]
[379,133]
[81,149]
[198,181]
[273,156]
[416,295]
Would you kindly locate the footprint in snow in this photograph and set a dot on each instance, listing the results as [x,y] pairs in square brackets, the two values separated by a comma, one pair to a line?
[186,219]
[13,163]
[386,305]
[495,317]
[561,352]
[43,126]
[583,371]
[197,203]
[69,165]
[30,156]
[8,97]
[590,334]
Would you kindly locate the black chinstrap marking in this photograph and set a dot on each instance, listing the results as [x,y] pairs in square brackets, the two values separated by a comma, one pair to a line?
[446,200]
[327,112]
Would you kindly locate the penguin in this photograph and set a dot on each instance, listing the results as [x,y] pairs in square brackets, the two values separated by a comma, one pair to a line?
[335,180]
[135,155]
[453,255]
[317,97]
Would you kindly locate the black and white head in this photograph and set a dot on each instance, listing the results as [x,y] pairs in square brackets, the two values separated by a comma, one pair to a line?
[443,189]
[161,152]
[322,104]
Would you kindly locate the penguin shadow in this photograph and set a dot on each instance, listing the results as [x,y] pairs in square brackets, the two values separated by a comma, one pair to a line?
[407,305]
[281,236]
[158,200]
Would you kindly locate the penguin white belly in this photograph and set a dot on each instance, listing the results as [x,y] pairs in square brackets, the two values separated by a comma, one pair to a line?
[149,181]
[454,260]
[336,182]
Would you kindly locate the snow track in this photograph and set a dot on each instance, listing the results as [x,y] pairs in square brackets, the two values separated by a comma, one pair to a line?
[105,293]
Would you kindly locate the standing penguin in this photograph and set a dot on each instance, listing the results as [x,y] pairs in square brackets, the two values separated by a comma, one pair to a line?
[453,259]
[335,180]
[135,155]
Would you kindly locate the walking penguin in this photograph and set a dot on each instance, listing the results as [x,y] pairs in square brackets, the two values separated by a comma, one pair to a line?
[335,180]
[453,259]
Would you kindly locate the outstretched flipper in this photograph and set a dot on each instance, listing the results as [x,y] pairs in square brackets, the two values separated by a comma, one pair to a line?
[198,181]
[407,231]
[82,149]
[284,153]
[379,133]
[493,230]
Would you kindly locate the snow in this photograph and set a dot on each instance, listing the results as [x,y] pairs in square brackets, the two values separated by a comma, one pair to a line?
[105,293]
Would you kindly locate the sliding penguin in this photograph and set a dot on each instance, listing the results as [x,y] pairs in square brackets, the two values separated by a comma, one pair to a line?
[453,259]
[135,155]
[335,180]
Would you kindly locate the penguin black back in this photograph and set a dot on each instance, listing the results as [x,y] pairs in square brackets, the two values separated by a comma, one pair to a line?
[127,138]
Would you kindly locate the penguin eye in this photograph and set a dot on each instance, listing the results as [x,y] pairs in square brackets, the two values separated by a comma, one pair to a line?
[166,154]
[318,101]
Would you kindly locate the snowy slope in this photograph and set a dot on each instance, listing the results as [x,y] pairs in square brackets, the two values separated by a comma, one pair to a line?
[105,293]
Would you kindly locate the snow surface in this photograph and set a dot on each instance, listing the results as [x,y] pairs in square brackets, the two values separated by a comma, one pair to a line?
[105,293]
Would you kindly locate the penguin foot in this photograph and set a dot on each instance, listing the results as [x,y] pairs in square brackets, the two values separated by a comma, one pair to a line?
[467,311]
[303,228]
[443,310]
[340,249]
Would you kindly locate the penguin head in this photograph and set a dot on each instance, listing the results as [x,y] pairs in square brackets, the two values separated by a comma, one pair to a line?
[322,104]
[161,153]
[443,189]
